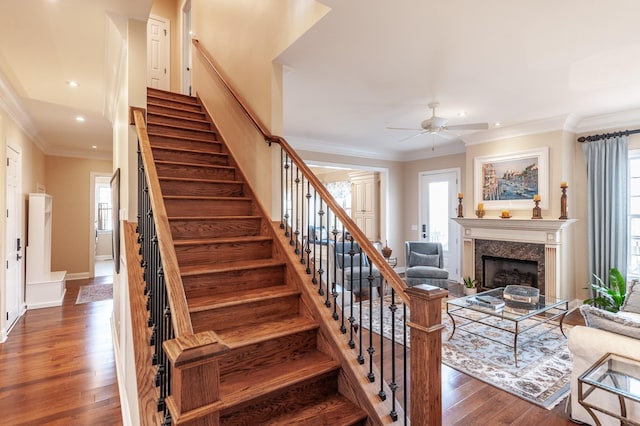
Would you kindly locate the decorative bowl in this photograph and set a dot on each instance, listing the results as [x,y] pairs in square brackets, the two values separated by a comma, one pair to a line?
[521,293]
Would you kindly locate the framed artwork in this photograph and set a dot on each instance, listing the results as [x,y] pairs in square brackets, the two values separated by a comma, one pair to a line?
[115,214]
[510,181]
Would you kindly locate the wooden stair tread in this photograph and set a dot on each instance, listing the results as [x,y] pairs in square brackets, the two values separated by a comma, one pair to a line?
[239,297]
[194,270]
[179,179]
[153,134]
[190,150]
[331,411]
[204,197]
[262,381]
[153,101]
[177,126]
[212,217]
[244,336]
[152,92]
[198,241]
[177,117]
[204,166]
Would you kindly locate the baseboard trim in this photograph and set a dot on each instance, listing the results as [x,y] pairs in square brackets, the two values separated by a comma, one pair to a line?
[78,276]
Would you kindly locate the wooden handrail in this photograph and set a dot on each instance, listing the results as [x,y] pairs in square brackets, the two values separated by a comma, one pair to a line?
[374,255]
[180,318]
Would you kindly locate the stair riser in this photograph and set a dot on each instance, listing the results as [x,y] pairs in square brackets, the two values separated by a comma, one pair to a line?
[177,143]
[201,189]
[160,154]
[176,131]
[176,111]
[162,94]
[177,121]
[195,208]
[246,315]
[268,353]
[217,253]
[195,172]
[230,281]
[176,104]
[287,400]
[214,228]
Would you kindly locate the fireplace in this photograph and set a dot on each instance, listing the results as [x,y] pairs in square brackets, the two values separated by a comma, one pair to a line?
[539,244]
[502,271]
[506,256]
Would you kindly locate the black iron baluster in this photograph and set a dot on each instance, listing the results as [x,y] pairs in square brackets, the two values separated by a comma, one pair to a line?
[286,196]
[283,205]
[334,288]
[298,200]
[382,394]
[320,261]
[394,384]
[314,280]
[352,320]
[343,328]
[360,354]
[307,250]
[330,292]
[371,350]
[404,367]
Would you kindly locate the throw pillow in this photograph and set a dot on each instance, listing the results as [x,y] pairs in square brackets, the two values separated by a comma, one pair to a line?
[418,259]
[632,301]
[609,321]
[321,234]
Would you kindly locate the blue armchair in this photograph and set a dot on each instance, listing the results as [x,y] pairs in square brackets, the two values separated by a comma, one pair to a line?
[355,270]
[425,264]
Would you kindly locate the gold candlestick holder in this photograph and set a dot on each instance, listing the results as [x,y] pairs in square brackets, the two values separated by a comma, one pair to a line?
[537,211]
[563,203]
[460,207]
[480,214]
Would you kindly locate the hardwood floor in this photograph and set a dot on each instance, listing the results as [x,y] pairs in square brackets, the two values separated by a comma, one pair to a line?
[57,366]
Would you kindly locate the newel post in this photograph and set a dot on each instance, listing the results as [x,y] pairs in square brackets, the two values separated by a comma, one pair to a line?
[195,379]
[426,354]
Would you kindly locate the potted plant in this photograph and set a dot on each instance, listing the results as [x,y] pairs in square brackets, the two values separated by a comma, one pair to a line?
[470,285]
[608,296]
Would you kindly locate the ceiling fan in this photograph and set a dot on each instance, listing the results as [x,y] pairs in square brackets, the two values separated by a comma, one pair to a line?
[436,124]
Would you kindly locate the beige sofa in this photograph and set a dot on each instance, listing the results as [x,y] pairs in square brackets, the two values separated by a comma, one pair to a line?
[617,333]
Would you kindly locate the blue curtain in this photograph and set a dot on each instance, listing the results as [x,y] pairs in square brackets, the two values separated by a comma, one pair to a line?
[607,205]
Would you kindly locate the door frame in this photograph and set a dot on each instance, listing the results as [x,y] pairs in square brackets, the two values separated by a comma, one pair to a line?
[458,234]
[19,214]
[92,219]
[166,51]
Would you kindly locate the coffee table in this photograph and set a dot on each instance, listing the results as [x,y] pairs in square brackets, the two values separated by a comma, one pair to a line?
[514,318]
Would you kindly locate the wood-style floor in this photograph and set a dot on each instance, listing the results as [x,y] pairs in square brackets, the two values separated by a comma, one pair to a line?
[57,367]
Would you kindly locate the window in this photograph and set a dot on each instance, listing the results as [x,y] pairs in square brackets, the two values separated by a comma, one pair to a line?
[104,218]
[634,214]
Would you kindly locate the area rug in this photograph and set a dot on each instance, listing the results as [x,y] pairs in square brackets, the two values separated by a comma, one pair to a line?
[542,376]
[94,293]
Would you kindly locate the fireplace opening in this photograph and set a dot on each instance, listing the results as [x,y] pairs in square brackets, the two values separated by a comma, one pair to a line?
[501,271]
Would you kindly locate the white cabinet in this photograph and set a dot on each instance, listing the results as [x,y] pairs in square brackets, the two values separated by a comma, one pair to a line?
[365,202]
[44,287]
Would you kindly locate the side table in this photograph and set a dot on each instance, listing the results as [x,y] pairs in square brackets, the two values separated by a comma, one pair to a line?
[617,376]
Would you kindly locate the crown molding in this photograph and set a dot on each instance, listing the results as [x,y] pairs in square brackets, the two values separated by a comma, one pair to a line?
[594,123]
[561,122]
[338,148]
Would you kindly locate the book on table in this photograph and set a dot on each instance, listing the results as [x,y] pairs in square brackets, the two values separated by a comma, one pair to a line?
[487,301]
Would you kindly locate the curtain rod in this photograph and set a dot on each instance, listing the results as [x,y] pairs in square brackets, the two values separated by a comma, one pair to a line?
[594,138]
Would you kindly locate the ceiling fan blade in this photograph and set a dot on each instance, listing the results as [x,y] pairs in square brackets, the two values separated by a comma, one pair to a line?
[470,126]
[413,136]
[403,128]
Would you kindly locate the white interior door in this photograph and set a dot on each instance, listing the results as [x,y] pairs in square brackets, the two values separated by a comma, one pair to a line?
[186,48]
[158,53]
[14,240]
[438,204]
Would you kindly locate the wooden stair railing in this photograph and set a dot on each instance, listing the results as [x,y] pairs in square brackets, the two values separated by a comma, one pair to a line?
[306,202]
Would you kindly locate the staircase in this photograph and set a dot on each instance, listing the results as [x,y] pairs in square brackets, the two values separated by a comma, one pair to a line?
[236,281]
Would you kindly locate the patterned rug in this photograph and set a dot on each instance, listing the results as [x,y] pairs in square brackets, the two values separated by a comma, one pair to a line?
[542,376]
[94,293]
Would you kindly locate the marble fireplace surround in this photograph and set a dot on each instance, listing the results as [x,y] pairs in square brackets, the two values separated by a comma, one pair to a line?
[545,235]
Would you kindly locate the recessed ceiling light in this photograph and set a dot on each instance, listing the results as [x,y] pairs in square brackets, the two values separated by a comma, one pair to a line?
[498,124]
[80,119]
[94,147]
[73,83]
[462,114]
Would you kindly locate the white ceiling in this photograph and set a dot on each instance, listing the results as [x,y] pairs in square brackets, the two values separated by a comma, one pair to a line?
[44,44]
[367,65]
[532,66]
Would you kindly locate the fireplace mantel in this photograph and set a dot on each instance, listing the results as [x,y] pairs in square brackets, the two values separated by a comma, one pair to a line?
[548,232]
[543,231]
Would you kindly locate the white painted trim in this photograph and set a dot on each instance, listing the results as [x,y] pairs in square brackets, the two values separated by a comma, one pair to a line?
[78,276]
[167,49]
[92,220]
[122,389]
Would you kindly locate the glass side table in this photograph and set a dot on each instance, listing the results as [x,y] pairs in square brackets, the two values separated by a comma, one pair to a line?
[616,375]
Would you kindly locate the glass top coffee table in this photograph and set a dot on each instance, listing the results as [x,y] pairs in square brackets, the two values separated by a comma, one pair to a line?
[490,309]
